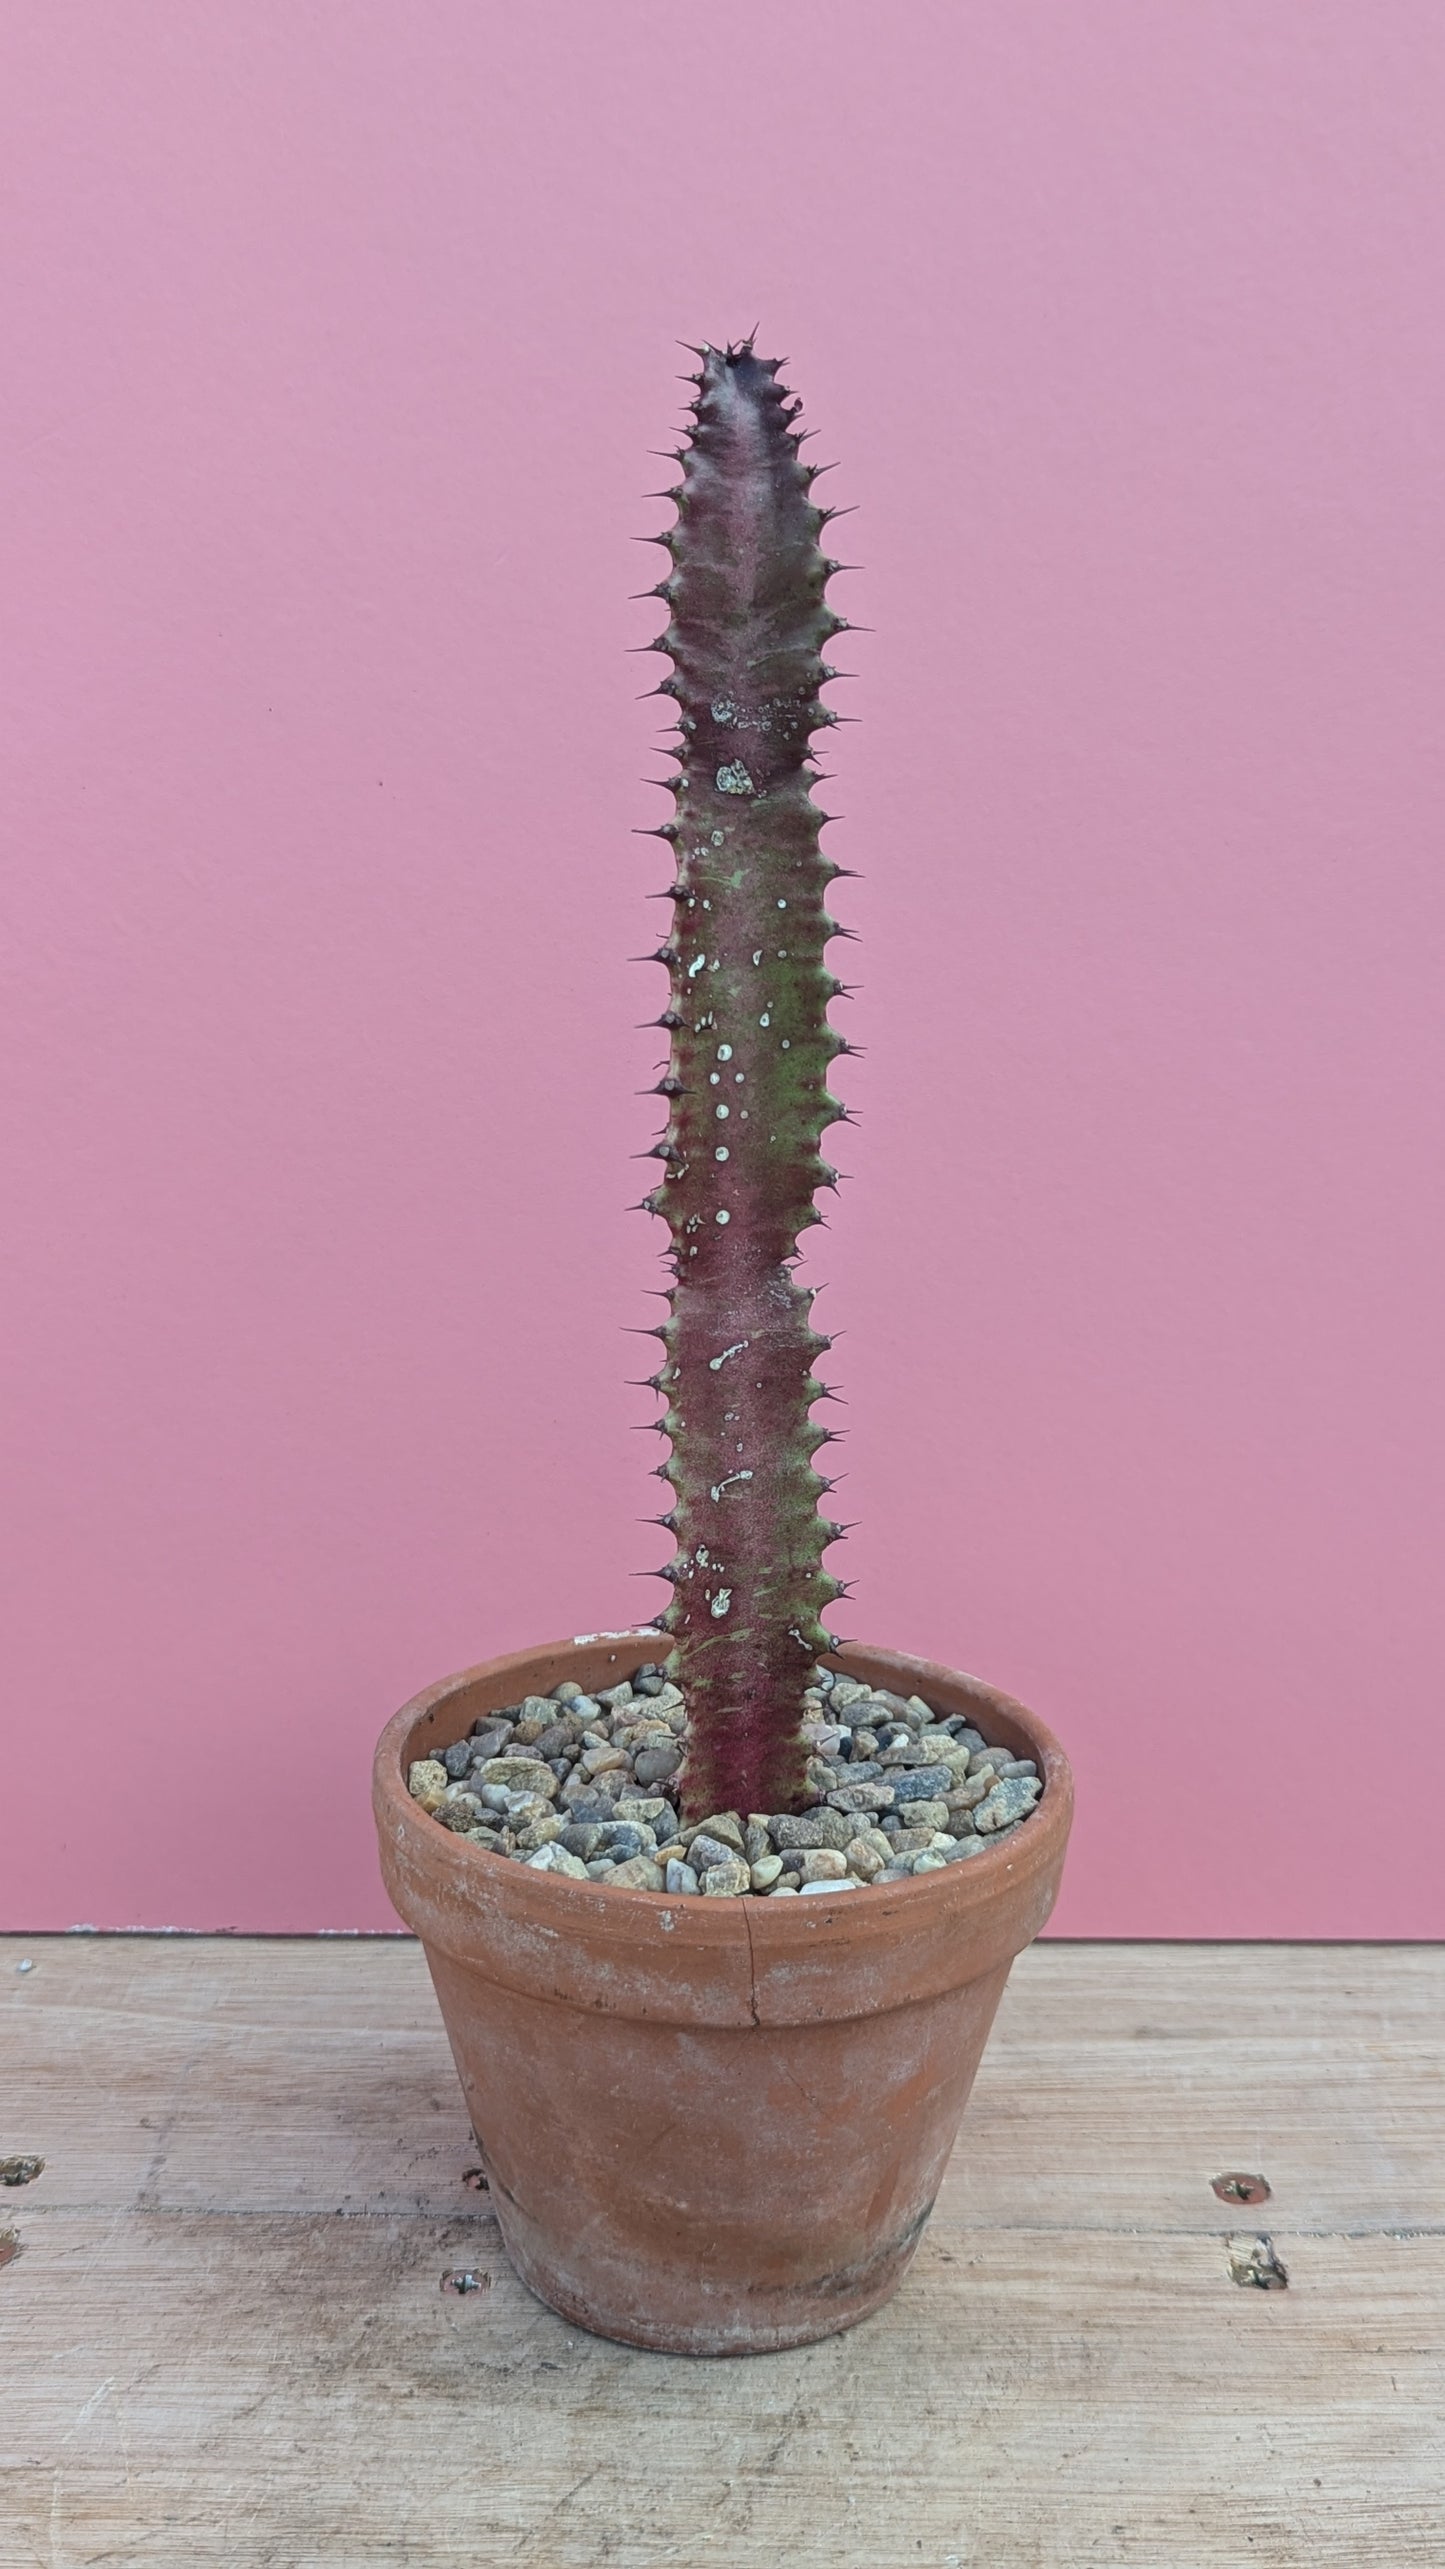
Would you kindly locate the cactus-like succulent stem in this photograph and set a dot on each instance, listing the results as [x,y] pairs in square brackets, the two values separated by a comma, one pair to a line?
[746,1085]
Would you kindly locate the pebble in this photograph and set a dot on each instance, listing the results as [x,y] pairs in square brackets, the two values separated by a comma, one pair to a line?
[583,1838]
[633,1737]
[654,1765]
[727,1827]
[864,1860]
[622,1839]
[645,1811]
[539,1833]
[639,1873]
[726,1880]
[822,1864]
[524,1810]
[921,1783]
[925,1815]
[863,1797]
[600,1761]
[521,1774]
[971,1792]
[427,1780]
[587,1805]
[585,1786]
[813,1828]
[704,1850]
[1012,1800]
[554,1858]
[458,1810]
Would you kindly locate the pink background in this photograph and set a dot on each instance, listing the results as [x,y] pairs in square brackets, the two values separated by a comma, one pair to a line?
[336,336]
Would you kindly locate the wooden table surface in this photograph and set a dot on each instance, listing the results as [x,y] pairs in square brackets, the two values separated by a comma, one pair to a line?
[224,2342]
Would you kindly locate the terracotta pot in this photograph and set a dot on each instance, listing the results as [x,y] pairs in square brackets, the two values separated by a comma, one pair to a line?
[714,2127]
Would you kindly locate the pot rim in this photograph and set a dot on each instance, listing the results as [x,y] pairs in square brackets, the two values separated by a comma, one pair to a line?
[455,1895]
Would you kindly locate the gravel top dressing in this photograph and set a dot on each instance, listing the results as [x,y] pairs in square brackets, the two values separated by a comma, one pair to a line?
[586,1785]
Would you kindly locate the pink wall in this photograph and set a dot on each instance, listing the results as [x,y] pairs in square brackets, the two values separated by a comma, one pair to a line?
[336,336]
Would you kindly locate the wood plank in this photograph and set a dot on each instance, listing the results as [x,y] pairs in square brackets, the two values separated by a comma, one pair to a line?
[257,2393]
[276,2075]
[232,2074]
[224,2340]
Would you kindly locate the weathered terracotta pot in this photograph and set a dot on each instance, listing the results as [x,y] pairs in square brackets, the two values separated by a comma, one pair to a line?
[714,2127]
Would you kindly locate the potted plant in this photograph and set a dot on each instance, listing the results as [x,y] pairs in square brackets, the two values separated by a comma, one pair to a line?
[718,1929]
